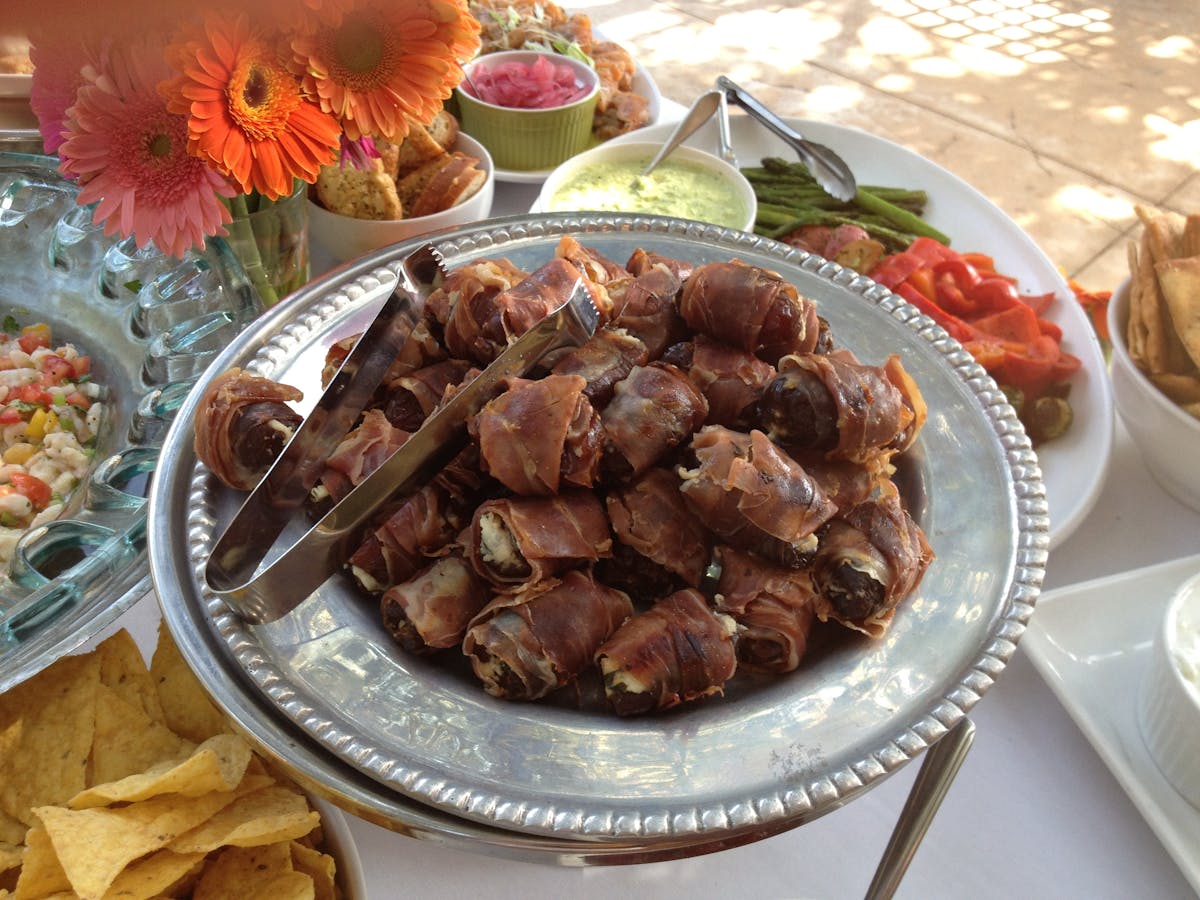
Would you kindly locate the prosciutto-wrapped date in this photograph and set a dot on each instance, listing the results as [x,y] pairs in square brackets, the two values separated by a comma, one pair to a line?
[421,348]
[519,540]
[773,605]
[751,308]
[363,450]
[602,361]
[421,526]
[522,646]
[642,260]
[242,425]
[431,610]
[835,404]
[676,651]
[650,516]
[482,325]
[730,379]
[410,399]
[646,307]
[654,409]
[591,262]
[472,283]
[539,436]
[753,495]
[870,557]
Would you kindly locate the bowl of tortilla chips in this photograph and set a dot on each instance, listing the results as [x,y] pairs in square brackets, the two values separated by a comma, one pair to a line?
[119,778]
[1154,323]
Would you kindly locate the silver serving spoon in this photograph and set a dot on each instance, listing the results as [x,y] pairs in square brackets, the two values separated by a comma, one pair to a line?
[702,109]
[829,169]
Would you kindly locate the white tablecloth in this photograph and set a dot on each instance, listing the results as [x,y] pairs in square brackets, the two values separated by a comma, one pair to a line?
[1034,811]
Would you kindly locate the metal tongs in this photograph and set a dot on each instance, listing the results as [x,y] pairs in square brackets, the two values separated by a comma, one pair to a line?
[263,593]
[829,169]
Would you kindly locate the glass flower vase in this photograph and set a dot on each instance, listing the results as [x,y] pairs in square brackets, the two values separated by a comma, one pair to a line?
[270,239]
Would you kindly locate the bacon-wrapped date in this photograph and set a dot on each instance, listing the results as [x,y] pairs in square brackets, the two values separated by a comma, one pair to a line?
[519,540]
[649,515]
[431,610]
[870,557]
[242,426]
[654,409]
[409,399]
[522,646]
[753,495]
[482,325]
[774,607]
[835,404]
[676,651]
[540,435]
[364,449]
[751,308]
[602,361]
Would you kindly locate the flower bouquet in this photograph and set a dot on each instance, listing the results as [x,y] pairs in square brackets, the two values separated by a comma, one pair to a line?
[185,123]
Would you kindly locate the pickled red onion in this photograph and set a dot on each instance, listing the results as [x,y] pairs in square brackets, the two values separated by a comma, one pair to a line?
[516,85]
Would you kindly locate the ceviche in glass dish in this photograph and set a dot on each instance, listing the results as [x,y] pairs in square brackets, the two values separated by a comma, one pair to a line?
[99,342]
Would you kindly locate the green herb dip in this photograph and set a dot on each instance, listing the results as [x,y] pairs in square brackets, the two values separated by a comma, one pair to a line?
[675,188]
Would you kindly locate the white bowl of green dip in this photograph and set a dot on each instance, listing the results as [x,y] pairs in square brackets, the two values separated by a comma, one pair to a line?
[688,184]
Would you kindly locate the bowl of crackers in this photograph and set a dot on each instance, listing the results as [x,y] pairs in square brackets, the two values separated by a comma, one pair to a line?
[1154,323]
[437,177]
[119,777]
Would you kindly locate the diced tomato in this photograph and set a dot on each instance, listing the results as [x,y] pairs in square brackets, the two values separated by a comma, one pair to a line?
[36,490]
[56,369]
[33,337]
[82,366]
[10,415]
[31,393]
[78,399]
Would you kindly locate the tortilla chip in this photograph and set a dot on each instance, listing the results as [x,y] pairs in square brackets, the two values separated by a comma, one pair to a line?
[216,765]
[265,817]
[10,856]
[154,875]
[41,872]
[320,867]
[1182,389]
[1189,243]
[1160,242]
[1179,280]
[254,873]
[12,831]
[46,728]
[127,741]
[95,845]
[187,708]
[123,669]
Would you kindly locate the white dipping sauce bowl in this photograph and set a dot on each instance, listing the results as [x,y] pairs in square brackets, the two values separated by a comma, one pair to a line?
[1169,707]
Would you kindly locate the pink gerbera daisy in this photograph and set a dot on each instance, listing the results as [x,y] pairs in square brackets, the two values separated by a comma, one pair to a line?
[58,74]
[130,154]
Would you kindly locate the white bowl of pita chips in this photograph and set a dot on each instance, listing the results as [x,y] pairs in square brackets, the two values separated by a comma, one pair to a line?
[1154,323]
[447,183]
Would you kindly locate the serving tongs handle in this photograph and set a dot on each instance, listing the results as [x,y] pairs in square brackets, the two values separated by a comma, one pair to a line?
[263,594]
[827,168]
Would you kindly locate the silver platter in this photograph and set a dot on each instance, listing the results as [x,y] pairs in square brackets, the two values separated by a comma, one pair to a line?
[417,745]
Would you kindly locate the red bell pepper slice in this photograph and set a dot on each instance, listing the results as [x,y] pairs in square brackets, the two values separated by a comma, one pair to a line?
[955,327]
[894,269]
[1017,324]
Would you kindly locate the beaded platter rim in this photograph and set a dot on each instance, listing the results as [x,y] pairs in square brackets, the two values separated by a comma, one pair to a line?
[804,795]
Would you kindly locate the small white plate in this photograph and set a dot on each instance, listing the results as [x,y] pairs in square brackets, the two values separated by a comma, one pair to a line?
[1091,643]
[642,84]
[1074,465]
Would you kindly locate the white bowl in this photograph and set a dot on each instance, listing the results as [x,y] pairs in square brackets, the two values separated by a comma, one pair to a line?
[1167,437]
[1169,711]
[339,841]
[739,213]
[345,237]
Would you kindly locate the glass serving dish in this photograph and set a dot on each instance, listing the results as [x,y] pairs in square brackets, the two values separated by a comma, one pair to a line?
[150,323]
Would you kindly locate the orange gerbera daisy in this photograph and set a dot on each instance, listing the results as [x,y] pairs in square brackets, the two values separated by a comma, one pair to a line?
[246,114]
[379,64]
